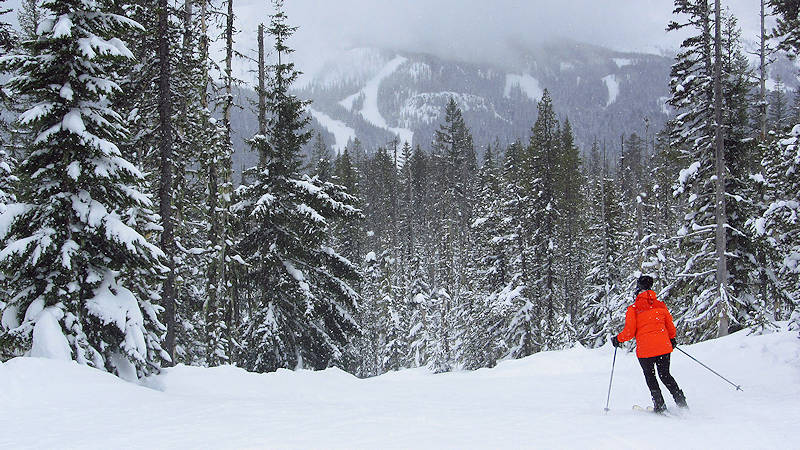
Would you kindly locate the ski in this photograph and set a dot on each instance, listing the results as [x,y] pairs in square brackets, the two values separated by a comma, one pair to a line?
[643,408]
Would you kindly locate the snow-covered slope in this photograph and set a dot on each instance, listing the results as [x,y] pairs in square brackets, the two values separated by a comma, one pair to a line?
[381,94]
[549,400]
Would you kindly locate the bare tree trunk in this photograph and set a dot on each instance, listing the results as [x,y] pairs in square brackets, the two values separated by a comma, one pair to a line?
[165,185]
[762,107]
[721,239]
[262,95]
[227,169]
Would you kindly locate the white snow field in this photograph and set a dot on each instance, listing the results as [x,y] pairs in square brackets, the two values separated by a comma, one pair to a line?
[549,400]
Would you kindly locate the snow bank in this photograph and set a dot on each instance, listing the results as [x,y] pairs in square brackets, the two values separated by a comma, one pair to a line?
[549,400]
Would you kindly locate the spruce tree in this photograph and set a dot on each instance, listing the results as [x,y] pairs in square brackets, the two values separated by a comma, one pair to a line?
[82,271]
[787,28]
[303,312]
[693,132]
[605,295]
[515,297]
[543,219]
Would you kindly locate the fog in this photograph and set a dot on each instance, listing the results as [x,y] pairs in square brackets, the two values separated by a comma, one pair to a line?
[475,30]
[470,30]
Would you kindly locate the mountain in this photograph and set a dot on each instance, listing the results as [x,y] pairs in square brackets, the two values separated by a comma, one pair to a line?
[378,95]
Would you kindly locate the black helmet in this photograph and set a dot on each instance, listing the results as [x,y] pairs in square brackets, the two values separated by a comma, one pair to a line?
[644,283]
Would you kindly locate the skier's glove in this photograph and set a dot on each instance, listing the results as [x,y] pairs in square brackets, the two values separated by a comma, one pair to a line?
[615,342]
[674,342]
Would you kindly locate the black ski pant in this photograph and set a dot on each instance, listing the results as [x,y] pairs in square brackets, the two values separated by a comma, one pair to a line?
[649,366]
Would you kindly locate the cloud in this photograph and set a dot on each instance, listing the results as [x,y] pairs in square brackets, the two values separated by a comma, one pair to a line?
[474,30]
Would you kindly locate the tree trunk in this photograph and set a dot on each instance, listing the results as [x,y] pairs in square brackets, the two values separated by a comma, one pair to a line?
[262,95]
[762,106]
[721,239]
[165,186]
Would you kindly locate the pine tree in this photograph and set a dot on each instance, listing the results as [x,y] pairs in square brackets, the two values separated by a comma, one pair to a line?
[320,165]
[693,132]
[544,216]
[6,45]
[514,298]
[604,296]
[482,325]
[571,204]
[787,28]
[778,223]
[304,301]
[779,114]
[83,273]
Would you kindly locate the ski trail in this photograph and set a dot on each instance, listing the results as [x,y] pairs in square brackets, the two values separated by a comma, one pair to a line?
[370,111]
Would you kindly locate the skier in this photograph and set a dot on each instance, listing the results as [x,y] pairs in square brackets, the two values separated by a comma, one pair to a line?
[649,321]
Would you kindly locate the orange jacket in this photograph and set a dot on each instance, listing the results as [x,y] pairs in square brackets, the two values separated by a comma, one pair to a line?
[649,321]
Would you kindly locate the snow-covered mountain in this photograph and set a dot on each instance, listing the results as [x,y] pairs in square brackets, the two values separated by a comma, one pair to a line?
[379,94]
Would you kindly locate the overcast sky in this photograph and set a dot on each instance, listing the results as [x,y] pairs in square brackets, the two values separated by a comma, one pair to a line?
[472,30]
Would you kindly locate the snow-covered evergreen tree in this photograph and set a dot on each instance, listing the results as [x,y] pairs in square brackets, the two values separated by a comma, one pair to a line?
[605,295]
[515,296]
[304,300]
[693,133]
[82,271]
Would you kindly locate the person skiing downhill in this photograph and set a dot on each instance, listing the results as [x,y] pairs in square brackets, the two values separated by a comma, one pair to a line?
[649,321]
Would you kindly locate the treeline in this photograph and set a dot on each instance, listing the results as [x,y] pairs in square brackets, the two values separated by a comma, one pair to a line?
[125,245]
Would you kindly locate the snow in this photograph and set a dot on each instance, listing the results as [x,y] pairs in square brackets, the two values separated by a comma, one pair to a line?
[689,172]
[48,339]
[62,27]
[354,66]
[370,111]
[341,132]
[526,83]
[549,400]
[427,107]
[613,88]
[622,62]
[114,304]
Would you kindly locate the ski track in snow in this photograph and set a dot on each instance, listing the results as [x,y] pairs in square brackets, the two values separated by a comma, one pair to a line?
[370,111]
[613,88]
[341,132]
[549,400]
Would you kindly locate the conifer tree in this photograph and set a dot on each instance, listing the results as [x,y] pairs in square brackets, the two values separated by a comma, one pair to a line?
[778,113]
[544,216]
[707,301]
[787,28]
[82,271]
[303,312]
[604,296]
[515,297]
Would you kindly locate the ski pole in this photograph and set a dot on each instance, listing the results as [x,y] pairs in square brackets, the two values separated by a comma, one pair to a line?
[613,363]
[738,388]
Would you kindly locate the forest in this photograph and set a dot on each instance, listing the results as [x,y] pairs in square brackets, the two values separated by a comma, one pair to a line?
[125,244]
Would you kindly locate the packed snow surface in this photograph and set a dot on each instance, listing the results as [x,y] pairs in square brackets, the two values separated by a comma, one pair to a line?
[549,400]
[341,132]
